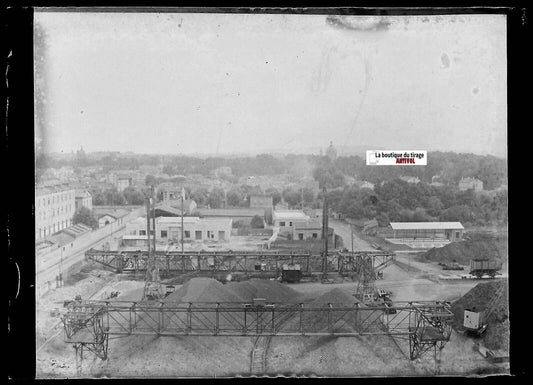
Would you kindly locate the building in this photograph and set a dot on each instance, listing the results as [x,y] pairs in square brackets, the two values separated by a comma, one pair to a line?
[410,179]
[261,201]
[189,205]
[83,198]
[287,220]
[311,229]
[123,182]
[446,231]
[470,184]
[168,229]
[106,215]
[366,184]
[331,152]
[54,209]
[242,215]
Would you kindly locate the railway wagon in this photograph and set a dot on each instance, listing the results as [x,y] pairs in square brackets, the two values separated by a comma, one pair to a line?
[480,267]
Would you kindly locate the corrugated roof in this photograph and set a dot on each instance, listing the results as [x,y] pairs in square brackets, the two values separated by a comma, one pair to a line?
[426,225]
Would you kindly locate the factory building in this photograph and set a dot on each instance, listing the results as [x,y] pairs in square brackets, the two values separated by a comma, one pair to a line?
[54,209]
[451,231]
[168,229]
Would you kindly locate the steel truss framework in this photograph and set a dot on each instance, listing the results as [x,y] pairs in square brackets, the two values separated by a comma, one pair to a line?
[173,263]
[426,325]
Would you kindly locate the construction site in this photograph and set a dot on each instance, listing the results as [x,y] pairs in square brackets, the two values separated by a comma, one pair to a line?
[233,313]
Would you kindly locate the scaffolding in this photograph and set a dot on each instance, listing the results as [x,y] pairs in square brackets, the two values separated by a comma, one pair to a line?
[88,324]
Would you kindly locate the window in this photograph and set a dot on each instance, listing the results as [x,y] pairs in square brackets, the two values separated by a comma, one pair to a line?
[457,234]
[142,232]
[187,234]
[290,223]
[301,237]
[163,233]
[315,235]
[282,224]
[198,234]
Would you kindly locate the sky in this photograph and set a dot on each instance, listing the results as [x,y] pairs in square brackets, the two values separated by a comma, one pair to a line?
[170,83]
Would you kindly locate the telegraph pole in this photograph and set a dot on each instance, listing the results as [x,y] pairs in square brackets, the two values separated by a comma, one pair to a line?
[182,199]
[153,214]
[325,232]
[148,225]
[351,231]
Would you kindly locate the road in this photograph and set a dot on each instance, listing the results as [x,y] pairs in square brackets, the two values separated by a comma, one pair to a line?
[48,268]
[343,229]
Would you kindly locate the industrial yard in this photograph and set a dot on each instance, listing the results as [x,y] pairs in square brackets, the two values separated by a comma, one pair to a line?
[236,194]
[221,356]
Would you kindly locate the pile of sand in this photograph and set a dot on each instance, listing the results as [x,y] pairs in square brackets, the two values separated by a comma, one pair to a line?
[478,298]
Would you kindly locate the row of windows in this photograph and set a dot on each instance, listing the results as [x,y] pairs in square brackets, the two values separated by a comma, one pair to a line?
[301,236]
[51,229]
[55,212]
[186,234]
[54,199]
[282,224]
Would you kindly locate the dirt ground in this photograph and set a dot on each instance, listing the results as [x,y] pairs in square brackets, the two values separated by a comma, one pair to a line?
[152,356]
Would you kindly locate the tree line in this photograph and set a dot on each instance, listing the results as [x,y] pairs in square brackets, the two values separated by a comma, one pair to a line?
[397,200]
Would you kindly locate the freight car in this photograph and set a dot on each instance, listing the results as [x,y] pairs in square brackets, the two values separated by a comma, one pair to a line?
[481,267]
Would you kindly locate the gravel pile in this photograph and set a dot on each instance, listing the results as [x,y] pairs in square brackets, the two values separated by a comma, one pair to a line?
[203,290]
[497,334]
[463,252]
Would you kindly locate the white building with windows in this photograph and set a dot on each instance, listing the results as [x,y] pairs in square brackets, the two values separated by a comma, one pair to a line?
[288,220]
[168,229]
[54,209]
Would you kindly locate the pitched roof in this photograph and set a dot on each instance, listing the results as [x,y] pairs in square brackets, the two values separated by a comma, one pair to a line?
[426,225]
[115,213]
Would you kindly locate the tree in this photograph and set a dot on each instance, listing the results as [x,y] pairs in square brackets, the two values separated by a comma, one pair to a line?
[85,216]
[215,198]
[235,197]
[133,196]
[434,206]
[292,197]
[200,196]
[99,199]
[257,222]
[150,180]
[275,194]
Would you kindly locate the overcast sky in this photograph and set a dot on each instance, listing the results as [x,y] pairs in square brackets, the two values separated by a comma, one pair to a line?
[236,83]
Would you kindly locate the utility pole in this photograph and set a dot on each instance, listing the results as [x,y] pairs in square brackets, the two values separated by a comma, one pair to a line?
[325,233]
[182,199]
[351,231]
[148,225]
[153,214]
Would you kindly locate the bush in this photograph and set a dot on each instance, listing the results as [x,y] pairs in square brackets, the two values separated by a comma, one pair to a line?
[257,222]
